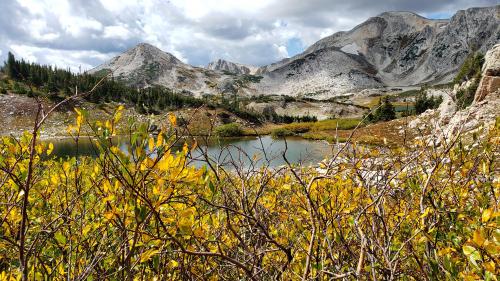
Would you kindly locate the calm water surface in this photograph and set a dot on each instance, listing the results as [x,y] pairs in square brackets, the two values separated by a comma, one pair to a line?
[245,151]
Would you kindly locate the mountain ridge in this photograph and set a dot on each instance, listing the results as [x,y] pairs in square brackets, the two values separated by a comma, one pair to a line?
[404,48]
[392,49]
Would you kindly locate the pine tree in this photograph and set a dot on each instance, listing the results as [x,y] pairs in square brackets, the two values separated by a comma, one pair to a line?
[385,111]
[12,66]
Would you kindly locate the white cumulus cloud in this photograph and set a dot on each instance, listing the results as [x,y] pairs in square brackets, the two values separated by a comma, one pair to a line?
[85,33]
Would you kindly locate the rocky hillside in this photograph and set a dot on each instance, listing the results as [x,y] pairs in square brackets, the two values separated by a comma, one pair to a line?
[448,120]
[227,66]
[322,110]
[392,49]
[146,65]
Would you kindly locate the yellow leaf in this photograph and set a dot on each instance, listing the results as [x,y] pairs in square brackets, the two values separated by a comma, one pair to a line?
[156,190]
[472,253]
[54,179]
[118,114]
[39,149]
[66,166]
[490,266]
[173,264]
[164,164]
[50,149]
[86,229]
[168,192]
[468,250]
[478,238]
[148,255]
[106,186]
[426,213]
[445,251]
[173,119]
[486,215]
[109,215]
[159,141]
[60,268]
[199,232]
[151,144]
[184,225]
[491,248]
[108,198]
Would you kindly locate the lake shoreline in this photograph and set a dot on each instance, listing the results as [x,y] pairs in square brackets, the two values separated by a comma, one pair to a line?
[247,151]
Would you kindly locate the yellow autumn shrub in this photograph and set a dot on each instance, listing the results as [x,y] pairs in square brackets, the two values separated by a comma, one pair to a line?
[411,213]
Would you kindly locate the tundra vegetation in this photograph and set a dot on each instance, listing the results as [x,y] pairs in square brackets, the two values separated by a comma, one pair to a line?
[424,210]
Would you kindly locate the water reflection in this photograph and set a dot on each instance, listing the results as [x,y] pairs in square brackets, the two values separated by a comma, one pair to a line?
[245,151]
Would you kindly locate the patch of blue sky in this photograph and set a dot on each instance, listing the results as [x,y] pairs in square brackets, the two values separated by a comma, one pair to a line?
[294,46]
[439,15]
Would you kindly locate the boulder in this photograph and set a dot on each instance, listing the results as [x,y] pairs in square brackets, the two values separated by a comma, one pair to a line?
[490,82]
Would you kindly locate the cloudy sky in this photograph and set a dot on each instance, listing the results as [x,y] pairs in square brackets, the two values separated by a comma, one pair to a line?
[74,33]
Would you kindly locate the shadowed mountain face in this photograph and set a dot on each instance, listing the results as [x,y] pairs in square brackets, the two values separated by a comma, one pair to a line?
[392,49]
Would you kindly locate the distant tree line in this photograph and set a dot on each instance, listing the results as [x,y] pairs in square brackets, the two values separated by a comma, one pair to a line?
[59,83]
[287,119]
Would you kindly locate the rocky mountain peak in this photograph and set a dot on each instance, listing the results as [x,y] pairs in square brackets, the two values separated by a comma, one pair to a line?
[401,15]
[235,68]
[142,62]
[149,52]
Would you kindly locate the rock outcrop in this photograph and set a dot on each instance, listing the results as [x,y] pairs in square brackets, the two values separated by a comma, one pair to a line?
[231,67]
[490,82]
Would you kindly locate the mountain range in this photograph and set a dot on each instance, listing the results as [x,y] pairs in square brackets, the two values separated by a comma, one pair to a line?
[392,49]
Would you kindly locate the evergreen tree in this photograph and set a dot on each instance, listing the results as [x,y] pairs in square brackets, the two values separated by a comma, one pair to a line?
[385,111]
[423,102]
[12,66]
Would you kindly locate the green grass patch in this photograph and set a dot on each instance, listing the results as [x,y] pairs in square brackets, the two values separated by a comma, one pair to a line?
[324,125]
[341,124]
[323,136]
[299,128]
[281,132]
[229,130]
